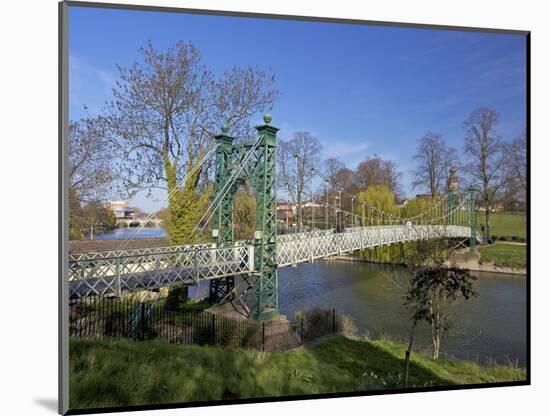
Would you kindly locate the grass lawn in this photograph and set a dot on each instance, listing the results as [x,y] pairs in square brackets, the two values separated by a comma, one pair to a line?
[123,372]
[504,255]
[505,224]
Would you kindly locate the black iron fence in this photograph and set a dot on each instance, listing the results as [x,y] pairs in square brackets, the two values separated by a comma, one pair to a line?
[101,317]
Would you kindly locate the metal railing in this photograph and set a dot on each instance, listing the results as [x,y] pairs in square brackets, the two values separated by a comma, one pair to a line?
[130,271]
[117,271]
[101,317]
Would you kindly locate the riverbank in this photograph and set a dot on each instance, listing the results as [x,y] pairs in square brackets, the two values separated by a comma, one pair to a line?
[123,372]
[488,260]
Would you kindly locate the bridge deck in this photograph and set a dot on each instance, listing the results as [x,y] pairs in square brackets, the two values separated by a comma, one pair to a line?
[114,272]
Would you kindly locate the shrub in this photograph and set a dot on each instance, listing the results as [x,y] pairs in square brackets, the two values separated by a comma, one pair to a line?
[177,298]
[226,332]
[319,322]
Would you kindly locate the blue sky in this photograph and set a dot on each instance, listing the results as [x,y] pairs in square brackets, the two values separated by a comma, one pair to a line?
[360,89]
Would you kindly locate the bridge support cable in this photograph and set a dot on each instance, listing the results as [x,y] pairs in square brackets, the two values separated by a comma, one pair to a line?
[180,185]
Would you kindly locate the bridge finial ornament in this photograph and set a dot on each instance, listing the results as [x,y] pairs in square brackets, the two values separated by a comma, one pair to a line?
[267,118]
[224,128]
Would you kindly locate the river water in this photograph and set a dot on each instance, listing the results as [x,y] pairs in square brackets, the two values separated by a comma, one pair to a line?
[123,233]
[488,328]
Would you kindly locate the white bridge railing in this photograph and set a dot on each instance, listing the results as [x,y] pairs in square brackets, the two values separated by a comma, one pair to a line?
[308,246]
[117,271]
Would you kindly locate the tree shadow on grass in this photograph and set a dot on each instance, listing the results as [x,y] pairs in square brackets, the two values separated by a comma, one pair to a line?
[122,372]
[372,367]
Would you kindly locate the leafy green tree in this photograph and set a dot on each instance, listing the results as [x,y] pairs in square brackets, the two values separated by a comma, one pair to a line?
[427,207]
[84,216]
[244,214]
[431,293]
[382,199]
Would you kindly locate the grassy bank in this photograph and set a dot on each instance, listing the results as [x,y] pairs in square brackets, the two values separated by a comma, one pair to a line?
[122,372]
[505,225]
[504,255]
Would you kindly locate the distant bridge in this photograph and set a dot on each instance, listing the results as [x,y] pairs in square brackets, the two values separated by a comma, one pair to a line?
[139,222]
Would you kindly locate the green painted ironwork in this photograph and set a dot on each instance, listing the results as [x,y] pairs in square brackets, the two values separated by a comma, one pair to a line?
[223,216]
[265,236]
[224,164]
[259,173]
[450,205]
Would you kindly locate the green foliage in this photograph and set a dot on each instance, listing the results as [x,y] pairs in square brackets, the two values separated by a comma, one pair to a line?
[244,211]
[379,197]
[226,333]
[504,255]
[318,322]
[185,206]
[432,290]
[411,253]
[433,284]
[122,372]
[83,216]
[418,206]
[177,298]
[373,381]
[400,253]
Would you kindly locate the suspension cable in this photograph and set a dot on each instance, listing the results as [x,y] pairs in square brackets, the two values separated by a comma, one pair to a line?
[171,193]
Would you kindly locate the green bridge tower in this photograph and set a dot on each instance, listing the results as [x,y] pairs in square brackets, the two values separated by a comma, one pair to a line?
[258,171]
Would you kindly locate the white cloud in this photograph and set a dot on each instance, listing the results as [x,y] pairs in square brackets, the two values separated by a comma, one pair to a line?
[89,84]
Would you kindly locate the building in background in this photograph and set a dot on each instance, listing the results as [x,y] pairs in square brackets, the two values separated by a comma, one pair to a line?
[122,210]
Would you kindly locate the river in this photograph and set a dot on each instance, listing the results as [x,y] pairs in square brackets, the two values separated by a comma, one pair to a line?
[486,329]
[489,327]
[123,233]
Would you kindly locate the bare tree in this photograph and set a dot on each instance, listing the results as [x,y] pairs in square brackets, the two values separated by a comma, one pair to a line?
[91,160]
[515,165]
[433,163]
[295,165]
[486,152]
[166,109]
[331,167]
[377,171]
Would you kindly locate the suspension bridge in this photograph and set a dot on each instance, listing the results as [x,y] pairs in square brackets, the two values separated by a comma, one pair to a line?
[256,261]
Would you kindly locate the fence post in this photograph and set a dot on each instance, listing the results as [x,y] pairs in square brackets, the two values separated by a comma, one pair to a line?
[213,329]
[333,321]
[302,331]
[142,323]
[182,328]
[263,336]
